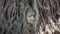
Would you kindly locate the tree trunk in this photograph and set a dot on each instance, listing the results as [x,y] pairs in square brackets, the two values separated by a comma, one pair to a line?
[29,16]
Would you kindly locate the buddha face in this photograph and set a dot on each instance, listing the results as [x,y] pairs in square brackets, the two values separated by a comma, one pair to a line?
[30,17]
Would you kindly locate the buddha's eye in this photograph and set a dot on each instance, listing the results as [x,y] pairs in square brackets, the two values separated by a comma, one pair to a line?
[29,16]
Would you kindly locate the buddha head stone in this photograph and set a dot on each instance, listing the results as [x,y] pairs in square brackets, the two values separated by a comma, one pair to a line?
[30,15]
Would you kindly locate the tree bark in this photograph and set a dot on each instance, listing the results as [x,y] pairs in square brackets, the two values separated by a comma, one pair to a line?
[13,17]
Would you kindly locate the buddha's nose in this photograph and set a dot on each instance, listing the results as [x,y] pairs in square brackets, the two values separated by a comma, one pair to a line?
[32,17]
